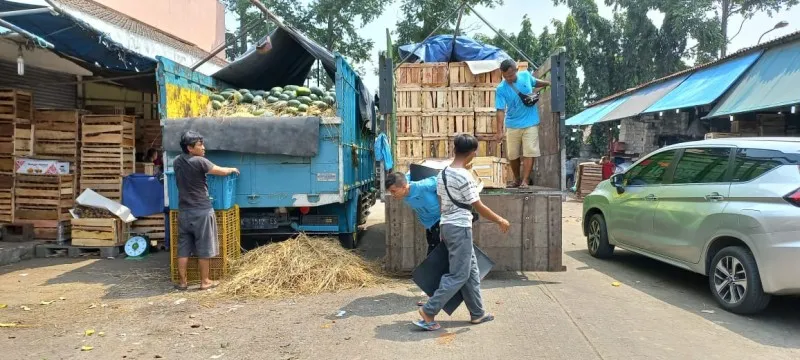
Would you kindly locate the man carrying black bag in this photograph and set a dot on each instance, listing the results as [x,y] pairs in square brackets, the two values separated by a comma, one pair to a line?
[459,198]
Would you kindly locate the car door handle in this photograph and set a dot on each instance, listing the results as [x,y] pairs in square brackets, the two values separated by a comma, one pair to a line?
[651,197]
[714,197]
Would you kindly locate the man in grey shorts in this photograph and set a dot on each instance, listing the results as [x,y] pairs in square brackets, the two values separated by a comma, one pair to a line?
[197,225]
[458,196]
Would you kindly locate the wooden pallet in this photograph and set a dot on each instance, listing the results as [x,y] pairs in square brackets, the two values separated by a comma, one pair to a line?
[107,161]
[460,123]
[153,226]
[434,99]
[56,250]
[493,171]
[409,99]
[15,232]
[16,106]
[423,147]
[588,177]
[485,123]
[109,186]
[459,99]
[108,130]
[57,134]
[425,75]
[6,198]
[484,99]
[409,124]
[408,75]
[49,230]
[99,232]
[434,125]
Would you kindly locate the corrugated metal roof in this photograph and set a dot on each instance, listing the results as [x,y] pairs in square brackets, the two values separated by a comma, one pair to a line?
[741,52]
[640,100]
[771,83]
[594,114]
[134,26]
[706,85]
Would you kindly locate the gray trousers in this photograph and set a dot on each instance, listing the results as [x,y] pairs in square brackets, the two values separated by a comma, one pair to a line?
[463,275]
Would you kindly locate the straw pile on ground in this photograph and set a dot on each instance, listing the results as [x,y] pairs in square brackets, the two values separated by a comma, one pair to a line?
[300,266]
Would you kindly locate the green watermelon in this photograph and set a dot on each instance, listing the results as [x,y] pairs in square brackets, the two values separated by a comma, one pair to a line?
[272,100]
[284,97]
[237,97]
[329,99]
[247,98]
[302,108]
[229,90]
[294,103]
[292,94]
[216,104]
[314,97]
[217,97]
[290,87]
[304,99]
[277,89]
[244,91]
[317,91]
[261,93]
[258,99]
[226,95]
[320,104]
[303,91]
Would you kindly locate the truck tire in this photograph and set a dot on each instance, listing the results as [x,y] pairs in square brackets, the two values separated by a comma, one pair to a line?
[349,240]
[735,281]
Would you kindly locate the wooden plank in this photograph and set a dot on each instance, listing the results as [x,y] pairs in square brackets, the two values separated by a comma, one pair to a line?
[555,244]
[409,124]
[548,167]
[114,130]
[98,232]
[435,74]
[460,123]
[460,75]
[484,99]
[485,123]
[107,161]
[434,124]
[459,99]
[434,99]
[16,105]
[409,99]
[491,170]
[540,233]
[408,75]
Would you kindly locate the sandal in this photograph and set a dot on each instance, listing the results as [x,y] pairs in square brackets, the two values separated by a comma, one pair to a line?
[427,326]
[181,288]
[482,319]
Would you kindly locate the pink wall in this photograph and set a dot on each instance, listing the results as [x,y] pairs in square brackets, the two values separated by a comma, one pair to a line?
[200,22]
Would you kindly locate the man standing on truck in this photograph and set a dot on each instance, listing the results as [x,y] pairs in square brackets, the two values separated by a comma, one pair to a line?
[197,225]
[521,119]
[459,197]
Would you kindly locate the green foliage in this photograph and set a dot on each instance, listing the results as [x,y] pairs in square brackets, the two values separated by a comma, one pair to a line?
[421,17]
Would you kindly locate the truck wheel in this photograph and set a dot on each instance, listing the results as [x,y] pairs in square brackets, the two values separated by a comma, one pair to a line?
[349,240]
[735,282]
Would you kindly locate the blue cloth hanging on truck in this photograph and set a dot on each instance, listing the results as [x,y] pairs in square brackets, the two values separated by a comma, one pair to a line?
[439,48]
[382,152]
[143,194]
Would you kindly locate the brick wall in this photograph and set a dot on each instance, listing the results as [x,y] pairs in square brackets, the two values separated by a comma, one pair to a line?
[642,134]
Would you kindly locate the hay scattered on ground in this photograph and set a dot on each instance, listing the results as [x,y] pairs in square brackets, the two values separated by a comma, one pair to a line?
[300,266]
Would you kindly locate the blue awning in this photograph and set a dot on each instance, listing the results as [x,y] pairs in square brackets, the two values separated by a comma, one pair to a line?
[78,41]
[639,100]
[594,113]
[705,86]
[769,84]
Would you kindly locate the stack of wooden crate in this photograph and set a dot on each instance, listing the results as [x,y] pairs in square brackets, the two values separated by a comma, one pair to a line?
[154,227]
[107,153]
[436,102]
[45,201]
[589,176]
[16,114]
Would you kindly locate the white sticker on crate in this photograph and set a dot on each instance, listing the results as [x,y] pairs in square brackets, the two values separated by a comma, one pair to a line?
[326,177]
[40,167]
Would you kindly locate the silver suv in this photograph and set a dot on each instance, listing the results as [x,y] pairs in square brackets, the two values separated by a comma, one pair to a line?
[725,208]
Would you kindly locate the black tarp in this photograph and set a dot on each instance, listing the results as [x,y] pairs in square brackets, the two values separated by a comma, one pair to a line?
[292,136]
[289,61]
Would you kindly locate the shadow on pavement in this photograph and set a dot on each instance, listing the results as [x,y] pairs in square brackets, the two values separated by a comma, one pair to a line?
[381,305]
[404,331]
[690,292]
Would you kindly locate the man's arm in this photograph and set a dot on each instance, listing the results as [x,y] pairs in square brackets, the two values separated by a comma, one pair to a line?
[500,118]
[222,171]
[538,83]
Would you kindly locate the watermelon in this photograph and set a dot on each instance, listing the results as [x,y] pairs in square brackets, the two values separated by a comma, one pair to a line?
[216,104]
[290,87]
[259,100]
[291,110]
[320,104]
[302,108]
[237,97]
[317,91]
[284,97]
[304,99]
[292,94]
[272,100]
[244,91]
[229,90]
[247,98]
[217,97]
[258,112]
[261,93]
[329,99]
[294,103]
[303,91]
[226,95]
[277,89]
[280,105]
[314,97]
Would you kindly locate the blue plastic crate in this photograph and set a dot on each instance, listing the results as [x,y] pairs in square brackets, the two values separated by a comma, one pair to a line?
[221,190]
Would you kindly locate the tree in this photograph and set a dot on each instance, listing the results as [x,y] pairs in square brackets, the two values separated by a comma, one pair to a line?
[421,17]
[746,9]
[247,14]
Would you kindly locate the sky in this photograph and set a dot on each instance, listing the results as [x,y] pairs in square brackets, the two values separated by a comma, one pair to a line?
[509,17]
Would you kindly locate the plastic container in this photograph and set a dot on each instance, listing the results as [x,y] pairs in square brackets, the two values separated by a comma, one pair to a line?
[221,190]
[229,235]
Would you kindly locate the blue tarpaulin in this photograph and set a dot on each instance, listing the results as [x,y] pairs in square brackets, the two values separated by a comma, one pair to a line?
[705,86]
[143,194]
[595,113]
[439,48]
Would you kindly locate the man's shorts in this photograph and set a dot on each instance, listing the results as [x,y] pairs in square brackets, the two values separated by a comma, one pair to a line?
[197,234]
[526,139]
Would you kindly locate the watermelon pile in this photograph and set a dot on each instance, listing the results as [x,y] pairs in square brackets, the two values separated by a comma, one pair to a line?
[291,100]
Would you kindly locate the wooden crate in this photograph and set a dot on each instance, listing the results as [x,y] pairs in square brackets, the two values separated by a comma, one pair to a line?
[532,244]
[43,197]
[487,146]
[409,124]
[57,134]
[771,125]
[484,99]
[460,123]
[460,75]
[7,138]
[108,130]
[434,99]
[6,164]
[434,124]
[408,75]
[493,171]
[107,161]
[146,168]
[16,106]
[153,226]
[6,198]
[148,135]
[110,187]
[409,99]
[459,99]
[588,177]
[98,232]
[423,147]
[401,165]
[15,139]
[485,123]
[426,75]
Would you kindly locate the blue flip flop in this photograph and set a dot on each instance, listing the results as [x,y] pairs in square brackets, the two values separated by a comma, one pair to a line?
[427,326]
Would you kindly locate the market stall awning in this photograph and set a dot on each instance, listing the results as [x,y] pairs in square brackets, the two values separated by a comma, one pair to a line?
[638,101]
[769,84]
[594,113]
[706,85]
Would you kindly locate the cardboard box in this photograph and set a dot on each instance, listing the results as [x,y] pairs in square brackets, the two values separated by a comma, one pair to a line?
[40,167]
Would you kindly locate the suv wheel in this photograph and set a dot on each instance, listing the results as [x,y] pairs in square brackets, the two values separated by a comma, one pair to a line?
[597,238]
[735,282]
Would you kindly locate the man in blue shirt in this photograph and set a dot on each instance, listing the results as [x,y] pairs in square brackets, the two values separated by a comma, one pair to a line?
[422,198]
[521,121]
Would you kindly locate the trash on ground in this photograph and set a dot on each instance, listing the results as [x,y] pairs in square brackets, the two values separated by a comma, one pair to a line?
[3,306]
[300,266]
[62,298]
[708,311]
[25,308]
[46,302]
[92,306]
[89,332]
[8,325]
[616,284]
[216,356]
[101,334]
[87,348]
[341,313]
[180,301]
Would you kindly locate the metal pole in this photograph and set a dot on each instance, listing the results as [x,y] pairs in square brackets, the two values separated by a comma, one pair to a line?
[41,42]
[226,44]
[106,79]
[460,8]
[501,35]
[26,12]
[455,35]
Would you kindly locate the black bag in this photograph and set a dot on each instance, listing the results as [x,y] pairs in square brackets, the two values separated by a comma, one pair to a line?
[528,100]
[475,214]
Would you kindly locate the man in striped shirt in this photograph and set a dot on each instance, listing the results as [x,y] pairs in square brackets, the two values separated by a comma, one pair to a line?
[458,195]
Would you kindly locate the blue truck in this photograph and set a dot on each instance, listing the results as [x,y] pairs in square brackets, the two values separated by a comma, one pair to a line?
[327,193]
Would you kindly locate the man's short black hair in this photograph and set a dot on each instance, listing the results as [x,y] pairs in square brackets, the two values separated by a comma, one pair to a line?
[507,64]
[464,144]
[395,178]
[190,138]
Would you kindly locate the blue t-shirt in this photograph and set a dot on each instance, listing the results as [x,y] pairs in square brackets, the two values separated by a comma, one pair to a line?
[423,199]
[518,116]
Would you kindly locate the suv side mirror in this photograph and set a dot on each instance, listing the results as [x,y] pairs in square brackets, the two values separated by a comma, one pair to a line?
[617,180]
